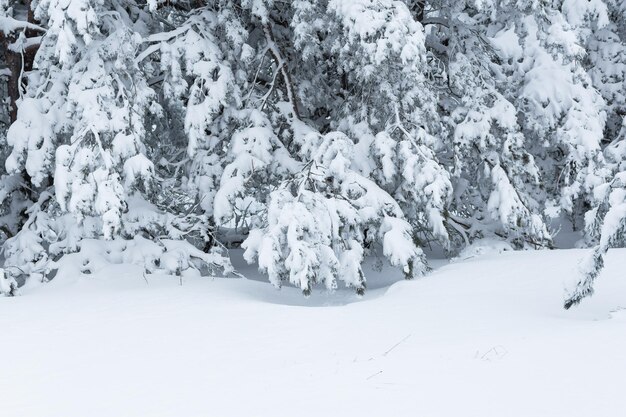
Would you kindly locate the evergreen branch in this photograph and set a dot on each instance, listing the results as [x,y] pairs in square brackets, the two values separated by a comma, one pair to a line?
[584,288]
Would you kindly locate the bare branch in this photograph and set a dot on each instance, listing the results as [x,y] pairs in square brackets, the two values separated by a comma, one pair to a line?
[281,65]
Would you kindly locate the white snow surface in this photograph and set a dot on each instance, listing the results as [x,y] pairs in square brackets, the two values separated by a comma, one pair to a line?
[485,336]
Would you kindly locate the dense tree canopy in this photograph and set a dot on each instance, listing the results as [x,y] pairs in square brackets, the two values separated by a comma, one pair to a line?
[309,132]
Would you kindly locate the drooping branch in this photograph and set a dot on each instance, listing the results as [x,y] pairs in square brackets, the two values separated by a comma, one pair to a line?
[9,25]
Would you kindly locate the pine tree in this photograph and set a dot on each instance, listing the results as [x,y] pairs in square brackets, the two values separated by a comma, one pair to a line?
[606,221]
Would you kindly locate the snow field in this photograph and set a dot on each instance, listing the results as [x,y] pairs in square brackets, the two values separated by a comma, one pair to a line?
[481,337]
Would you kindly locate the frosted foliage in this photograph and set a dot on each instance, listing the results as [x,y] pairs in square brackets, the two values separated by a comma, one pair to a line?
[578,12]
[321,222]
[552,86]
[31,138]
[567,112]
[607,56]
[607,224]
[171,257]
[314,134]
[71,22]
[488,125]
[606,221]
[425,183]
[371,36]
[105,155]
[252,150]
[384,28]
[506,205]
[213,87]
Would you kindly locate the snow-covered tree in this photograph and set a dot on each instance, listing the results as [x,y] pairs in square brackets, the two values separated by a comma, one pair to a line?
[497,192]
[606,221]
[79,138]
[312,133]
[320,223]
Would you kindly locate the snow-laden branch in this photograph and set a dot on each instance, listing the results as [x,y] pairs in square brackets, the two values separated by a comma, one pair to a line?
[165,36]
[9,25]
[157,38]
[24,44]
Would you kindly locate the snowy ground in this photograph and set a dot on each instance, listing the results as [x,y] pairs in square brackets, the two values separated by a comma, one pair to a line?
[481,337]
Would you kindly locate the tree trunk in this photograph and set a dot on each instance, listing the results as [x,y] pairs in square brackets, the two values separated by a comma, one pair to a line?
[14,61]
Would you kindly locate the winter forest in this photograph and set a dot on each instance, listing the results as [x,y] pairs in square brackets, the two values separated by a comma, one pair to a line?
[325,142]
[309,133]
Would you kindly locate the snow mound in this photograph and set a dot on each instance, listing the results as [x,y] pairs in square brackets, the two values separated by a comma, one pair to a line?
[483,247]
